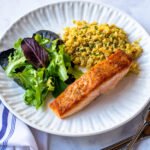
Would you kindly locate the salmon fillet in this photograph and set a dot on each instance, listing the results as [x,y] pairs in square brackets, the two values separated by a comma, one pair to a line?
[98,80]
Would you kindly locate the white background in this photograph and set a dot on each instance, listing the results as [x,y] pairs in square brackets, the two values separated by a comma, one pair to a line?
[12,10]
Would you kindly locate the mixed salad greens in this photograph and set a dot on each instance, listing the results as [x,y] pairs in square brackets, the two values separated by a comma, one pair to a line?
[40,65]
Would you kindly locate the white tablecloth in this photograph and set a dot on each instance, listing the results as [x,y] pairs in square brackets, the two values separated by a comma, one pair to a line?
[11,10]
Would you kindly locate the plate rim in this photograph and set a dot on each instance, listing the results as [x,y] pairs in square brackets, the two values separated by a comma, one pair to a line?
[82,133]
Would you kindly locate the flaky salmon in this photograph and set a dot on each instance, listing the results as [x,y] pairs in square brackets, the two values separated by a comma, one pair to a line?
[101,78]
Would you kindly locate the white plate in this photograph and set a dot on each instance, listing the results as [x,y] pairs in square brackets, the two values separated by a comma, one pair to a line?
[108,111]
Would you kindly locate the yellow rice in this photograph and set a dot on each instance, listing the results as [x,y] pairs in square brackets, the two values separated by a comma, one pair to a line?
[89,43]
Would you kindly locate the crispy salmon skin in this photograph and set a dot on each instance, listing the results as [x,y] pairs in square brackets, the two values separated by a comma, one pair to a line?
[98,80]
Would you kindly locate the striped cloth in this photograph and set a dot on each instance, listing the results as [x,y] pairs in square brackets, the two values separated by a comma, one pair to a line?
[13,132]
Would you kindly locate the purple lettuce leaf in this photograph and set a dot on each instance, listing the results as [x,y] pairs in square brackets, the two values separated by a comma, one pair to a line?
[34,53]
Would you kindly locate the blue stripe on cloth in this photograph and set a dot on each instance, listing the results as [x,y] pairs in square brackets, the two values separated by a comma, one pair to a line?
[13,123]
[4,122]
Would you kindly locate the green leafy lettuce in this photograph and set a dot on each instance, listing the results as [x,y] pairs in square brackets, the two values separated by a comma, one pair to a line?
[36,83]
[40,81]
[57,65]
[60,67]
[16,60]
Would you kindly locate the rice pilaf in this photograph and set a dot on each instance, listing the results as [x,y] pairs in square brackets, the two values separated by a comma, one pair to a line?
[89,43]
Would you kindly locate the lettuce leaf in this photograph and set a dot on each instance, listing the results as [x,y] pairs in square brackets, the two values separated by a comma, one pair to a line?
[60,86]
[57,65]
[75,72]
[16,60]
[36,84]
[34,53]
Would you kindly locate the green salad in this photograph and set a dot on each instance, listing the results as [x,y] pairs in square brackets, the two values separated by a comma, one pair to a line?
[41,66]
